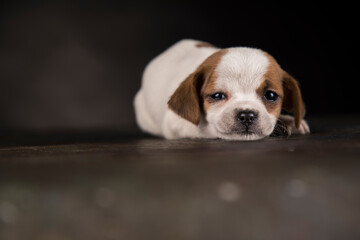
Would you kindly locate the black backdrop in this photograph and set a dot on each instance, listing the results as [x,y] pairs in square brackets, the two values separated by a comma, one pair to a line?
[77,65]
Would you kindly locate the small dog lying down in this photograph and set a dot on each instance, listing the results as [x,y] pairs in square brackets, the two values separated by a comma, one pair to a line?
[195,90]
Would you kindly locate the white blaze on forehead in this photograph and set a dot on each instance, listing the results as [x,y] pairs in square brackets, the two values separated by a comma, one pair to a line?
[241,70]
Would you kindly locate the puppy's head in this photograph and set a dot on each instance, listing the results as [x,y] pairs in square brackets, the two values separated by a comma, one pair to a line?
[238,94]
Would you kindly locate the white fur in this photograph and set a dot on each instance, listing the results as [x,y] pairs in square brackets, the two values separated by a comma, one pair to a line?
[240,72]
[242,69]
[160,79]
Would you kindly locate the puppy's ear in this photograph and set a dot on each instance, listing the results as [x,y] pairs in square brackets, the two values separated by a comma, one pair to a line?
[186,100]
[293,102]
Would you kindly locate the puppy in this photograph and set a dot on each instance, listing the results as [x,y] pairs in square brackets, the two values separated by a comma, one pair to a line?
[195,90]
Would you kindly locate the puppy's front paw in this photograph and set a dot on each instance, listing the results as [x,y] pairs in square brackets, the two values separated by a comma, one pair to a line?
[288,124]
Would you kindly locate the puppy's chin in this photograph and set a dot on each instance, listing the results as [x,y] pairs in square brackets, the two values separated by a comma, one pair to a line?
[242,134]
[246,136]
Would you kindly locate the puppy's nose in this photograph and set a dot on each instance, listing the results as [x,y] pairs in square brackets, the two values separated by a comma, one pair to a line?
[246,117]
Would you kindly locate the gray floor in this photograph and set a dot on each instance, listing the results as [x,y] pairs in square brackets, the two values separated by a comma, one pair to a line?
[139,187]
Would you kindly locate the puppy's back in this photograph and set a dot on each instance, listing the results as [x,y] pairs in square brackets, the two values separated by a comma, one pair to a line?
[161,78]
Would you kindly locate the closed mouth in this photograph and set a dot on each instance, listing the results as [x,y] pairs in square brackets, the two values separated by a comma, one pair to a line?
[242,133]
[245,132]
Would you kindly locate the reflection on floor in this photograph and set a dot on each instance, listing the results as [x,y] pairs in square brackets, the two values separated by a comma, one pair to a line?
[113,186]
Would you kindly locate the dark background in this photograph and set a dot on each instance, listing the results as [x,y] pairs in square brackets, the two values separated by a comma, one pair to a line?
[77,65]
[73,165]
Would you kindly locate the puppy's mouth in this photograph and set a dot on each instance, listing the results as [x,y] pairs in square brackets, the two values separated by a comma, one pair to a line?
[245,132]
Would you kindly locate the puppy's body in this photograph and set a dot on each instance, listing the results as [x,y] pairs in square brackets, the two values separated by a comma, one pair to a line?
[195,90]
[160,79]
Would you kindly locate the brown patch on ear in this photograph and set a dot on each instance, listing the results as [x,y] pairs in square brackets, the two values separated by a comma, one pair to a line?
[293,102]
[204,44]
[187,99]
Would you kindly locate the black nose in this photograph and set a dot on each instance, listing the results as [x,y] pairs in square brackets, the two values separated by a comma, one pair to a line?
[246,117]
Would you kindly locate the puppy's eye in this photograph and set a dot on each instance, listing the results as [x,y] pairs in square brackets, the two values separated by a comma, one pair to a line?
[271,96]
[218,96]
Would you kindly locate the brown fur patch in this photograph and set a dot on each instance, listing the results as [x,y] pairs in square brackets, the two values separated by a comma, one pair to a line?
[286,87]
[209,89]
[204,44]
[272,81]
[209,86]
[293,102]
[188,99]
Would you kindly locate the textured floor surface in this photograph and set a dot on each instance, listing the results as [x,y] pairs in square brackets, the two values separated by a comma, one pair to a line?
[122,186]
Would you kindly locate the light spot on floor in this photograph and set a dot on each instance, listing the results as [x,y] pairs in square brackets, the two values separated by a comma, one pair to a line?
[296,188]
[105,197]
[8,212]
[229,191]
